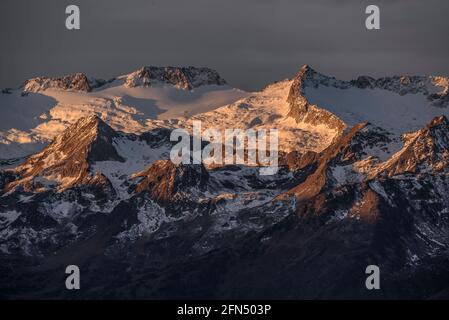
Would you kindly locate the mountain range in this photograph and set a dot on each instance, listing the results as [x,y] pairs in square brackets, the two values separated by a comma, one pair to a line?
[86,179]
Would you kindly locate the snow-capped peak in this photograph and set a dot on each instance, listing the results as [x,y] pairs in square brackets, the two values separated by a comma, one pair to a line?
[73,82]
[425,151]
[433,87]
[180,77]
[398,104]
[67,160]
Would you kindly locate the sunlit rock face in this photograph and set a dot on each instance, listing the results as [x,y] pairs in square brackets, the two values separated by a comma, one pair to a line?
[362,180]
[181,77]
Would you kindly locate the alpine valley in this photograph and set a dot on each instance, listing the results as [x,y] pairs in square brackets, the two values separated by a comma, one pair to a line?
[86,180]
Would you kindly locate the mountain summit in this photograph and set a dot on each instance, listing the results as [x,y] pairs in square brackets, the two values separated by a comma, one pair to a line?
[398,104]
[74,82]
[180,77]
[67,161]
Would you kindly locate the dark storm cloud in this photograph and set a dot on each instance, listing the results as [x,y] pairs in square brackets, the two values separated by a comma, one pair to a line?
[249,42]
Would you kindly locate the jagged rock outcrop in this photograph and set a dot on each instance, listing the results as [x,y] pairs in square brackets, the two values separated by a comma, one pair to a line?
[66,162]
[181,77]
[434,88]
[345,161]
[166,182]
[424,151]
[352,181]
[297,161]
[186,78]
[301,110]
[394,209]
[73,82]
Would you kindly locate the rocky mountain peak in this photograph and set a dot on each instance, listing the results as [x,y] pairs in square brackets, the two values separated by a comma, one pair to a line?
[306,72]
[299,81]
[424,151]
[434,87]
[303,111]
[165,181]
[334,166]
[89,136]
[439,122]
[181,77]
[73,82]
[310,99]
[67,161]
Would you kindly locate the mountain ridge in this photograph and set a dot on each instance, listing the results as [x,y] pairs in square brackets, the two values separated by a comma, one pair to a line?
[347,194]
[186,78]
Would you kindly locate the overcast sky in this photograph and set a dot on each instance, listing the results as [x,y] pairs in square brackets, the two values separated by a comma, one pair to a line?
[249,42]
